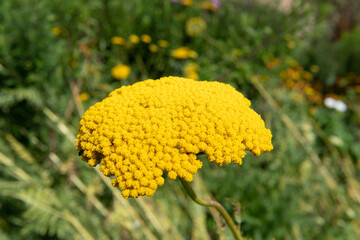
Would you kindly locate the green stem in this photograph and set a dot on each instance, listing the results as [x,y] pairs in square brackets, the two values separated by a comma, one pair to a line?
[214,204]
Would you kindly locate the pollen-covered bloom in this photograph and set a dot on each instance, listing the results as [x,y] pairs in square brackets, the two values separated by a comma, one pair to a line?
[140,131]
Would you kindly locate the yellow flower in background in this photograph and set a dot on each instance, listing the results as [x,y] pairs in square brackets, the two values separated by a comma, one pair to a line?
[192,75]
[294,64]
[187,2]
[83,96]
[291,44]
[191,67]
[314,68]
[117,40]
[134,38]
[120,71]
[195,26]
[208,6]
[294,74]
[288,37]
[307,75]
[296,96]
[153,48]
[309,90]
[191,70]
[146,38]
[56,31]
[274,62]
[163,43]
[183,53]
[140,131]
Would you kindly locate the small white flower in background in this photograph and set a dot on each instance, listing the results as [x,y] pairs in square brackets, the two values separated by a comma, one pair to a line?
[329,102]
[332,103]
[340,106]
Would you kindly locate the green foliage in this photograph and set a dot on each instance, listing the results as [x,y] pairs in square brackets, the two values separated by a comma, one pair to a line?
[55,62]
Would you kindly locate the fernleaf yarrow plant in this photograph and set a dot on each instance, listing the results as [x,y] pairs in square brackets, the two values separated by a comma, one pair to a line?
[142,130]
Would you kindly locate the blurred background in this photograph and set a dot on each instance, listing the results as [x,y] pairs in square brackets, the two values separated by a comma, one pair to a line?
[297,61]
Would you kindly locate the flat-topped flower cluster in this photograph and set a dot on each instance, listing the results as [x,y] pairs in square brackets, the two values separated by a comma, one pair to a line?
[139,131]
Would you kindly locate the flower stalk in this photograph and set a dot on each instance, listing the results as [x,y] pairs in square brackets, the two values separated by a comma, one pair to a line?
[214,204]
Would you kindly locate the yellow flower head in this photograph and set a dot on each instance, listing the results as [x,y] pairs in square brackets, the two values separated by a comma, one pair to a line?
[195,26]
[146,38]
[184,53]
[140,131]
[120,71]
[134,38]
[117,40]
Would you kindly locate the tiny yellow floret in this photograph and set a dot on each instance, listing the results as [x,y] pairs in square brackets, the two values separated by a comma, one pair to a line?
[142,130]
